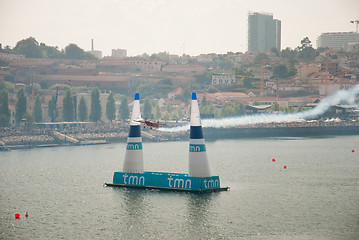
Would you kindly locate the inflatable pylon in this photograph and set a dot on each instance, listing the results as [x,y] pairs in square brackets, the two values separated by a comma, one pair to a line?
[134,156]
[198,165]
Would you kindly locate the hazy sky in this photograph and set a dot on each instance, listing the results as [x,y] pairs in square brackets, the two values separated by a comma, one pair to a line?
[175,26]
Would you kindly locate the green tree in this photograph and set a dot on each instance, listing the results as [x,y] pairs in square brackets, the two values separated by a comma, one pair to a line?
[74,104]
[290,108]
[275,107]
[179,112]
[68,107]
[6,85]
[306,51]
[288,53]
[300,108]
[280,71]
[162,56]
[204,101]
[239,109]
[157,112]
[147,109]
[37,110]
[29,120]
[72,51]
[51,52]
[29,47]
[44,84]
[261,57]
[21,105]
[168,108]
[305,43]
[247,83]
[4,108]
[51,108]
[123,112]
[166,115]
[204,79]
[211,109]
[275,51]
[292,71]
[96,109]
[227,110]
[110,107]
[82,109]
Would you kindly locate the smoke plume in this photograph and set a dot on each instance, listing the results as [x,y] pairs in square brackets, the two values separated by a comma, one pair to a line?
[339,97]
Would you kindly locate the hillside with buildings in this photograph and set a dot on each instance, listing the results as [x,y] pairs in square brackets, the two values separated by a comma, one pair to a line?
[289,78]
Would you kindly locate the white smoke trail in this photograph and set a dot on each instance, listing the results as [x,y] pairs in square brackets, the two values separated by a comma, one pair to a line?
[341,96]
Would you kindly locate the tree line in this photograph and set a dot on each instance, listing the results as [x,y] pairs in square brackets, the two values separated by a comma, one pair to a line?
[74,109]
[33,49]
[71,110]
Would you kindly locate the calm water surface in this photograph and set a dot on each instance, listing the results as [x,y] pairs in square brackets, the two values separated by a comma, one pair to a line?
[316,197]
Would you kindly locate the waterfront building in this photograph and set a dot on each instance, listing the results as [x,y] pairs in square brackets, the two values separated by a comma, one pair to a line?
[336,40]
[264,32]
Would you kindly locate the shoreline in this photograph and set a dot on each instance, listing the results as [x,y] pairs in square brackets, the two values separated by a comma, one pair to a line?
[212,134]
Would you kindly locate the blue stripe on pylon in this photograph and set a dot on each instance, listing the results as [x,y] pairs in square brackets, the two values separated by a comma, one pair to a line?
[196,132]
[135,131]
[137,96]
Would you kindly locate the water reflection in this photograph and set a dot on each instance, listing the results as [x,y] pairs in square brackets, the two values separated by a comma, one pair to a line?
[202,216]
[132,211]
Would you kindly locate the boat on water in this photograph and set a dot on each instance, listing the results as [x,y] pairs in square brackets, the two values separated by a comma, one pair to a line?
[198,178]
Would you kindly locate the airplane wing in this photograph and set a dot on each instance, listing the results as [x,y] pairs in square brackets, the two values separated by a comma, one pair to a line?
[139,120]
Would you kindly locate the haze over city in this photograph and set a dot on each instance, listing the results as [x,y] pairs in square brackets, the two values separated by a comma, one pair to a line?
[177,27]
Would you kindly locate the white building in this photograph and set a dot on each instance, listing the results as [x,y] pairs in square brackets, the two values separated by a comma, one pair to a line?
[96,53]
[119,53]
[336,40]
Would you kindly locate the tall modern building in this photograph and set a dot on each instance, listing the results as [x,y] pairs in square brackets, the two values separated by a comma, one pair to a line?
[336,40]
[264,32]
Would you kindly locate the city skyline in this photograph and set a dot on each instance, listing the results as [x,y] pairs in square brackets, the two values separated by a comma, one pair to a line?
[190,27]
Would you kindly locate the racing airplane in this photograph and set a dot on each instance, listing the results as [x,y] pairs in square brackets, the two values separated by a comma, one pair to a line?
[150,124]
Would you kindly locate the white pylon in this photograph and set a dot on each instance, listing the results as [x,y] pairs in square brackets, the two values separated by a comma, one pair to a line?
[134,156]
[198,165]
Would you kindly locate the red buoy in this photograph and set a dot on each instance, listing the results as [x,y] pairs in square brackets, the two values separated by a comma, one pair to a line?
[353,150]
[17,215]
[285,166]
[273,159]
[26,215]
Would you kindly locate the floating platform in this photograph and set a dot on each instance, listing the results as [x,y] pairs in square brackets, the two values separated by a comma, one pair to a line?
[166,181]
[198,179]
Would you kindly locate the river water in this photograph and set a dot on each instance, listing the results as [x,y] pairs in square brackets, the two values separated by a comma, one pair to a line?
[316,197]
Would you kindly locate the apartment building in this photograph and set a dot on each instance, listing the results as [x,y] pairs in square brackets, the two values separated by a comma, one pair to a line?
[336,40]
[264,32]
